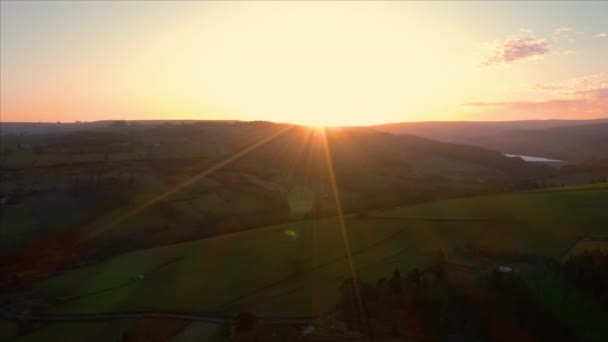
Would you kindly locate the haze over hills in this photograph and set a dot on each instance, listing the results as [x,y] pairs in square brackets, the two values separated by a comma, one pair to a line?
[463,130]
[83,169]
[51,127]
[569,140]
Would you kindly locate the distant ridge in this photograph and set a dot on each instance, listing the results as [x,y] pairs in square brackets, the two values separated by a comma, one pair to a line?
[570,140]
[56,127]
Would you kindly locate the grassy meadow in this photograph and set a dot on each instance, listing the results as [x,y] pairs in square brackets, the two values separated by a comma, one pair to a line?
[295,269]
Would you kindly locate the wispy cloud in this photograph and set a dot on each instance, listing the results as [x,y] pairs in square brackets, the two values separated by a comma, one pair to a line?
[600,94]
[581,97]
[575,86]
[567,34]
[526,46]
[516,48]
[566,52]
[562,30]
[601,35]
[593,105]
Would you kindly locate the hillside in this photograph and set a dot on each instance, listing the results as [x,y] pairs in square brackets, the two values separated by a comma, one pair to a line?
[295,269]
[262,174]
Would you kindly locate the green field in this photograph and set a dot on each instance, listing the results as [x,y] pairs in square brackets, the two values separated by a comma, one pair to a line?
[587,246]
[295,269]
[8,329]
[80,331]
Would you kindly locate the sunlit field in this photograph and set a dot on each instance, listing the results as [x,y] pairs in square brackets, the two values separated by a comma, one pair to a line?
[295,269]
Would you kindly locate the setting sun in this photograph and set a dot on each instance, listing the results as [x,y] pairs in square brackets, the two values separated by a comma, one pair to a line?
[314,63]
[361,64]
[310,63]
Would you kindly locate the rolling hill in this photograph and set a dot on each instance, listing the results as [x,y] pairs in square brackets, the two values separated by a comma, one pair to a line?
[99,175]
[295,269]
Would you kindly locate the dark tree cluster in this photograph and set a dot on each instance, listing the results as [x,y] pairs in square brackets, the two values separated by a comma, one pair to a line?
[498,306]
[589,272]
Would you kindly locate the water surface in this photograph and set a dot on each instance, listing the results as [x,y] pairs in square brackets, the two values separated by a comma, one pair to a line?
[533,159]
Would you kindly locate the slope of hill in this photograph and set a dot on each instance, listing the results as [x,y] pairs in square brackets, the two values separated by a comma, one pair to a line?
[83,181]
[295,269]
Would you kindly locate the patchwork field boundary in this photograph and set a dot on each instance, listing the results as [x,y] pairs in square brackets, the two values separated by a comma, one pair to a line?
[315,268]
[579,240]
[7,315]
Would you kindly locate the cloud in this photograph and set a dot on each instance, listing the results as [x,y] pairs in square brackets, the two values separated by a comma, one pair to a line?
[565,33]
[590,106]
[562,30]
[516,48]
[595,94]
[565,52]
[575,86]
[601,35]
[582,97]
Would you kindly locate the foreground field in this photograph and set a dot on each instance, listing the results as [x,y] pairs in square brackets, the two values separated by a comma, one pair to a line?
[300,265]
[296,269]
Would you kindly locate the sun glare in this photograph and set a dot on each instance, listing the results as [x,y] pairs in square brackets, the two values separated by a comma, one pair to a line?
[299,65]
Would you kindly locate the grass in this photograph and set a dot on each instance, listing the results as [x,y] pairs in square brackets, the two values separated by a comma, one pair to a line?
[587,245]
[199,332]
[50,212]
[34,218]
[584,187]
[569,306]
[43,215]
[78,331]
[296,269]
[8,329]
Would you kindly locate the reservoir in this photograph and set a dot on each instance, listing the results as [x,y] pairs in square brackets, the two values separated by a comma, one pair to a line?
[533,159]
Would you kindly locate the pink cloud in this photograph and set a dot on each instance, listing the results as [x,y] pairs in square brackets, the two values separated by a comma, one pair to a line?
[576,85]
[579,98]
[515,48]
[589,106]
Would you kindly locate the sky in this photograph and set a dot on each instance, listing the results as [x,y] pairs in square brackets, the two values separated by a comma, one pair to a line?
[309,62]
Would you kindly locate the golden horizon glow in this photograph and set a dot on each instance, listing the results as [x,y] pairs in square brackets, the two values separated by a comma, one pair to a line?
[308,63]
[355,65]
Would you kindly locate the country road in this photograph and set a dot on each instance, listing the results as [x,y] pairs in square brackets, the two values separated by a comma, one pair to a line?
[4,314]
[8,315]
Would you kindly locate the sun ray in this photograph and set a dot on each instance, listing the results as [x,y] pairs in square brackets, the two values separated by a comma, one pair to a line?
[342,223]
[195,178]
